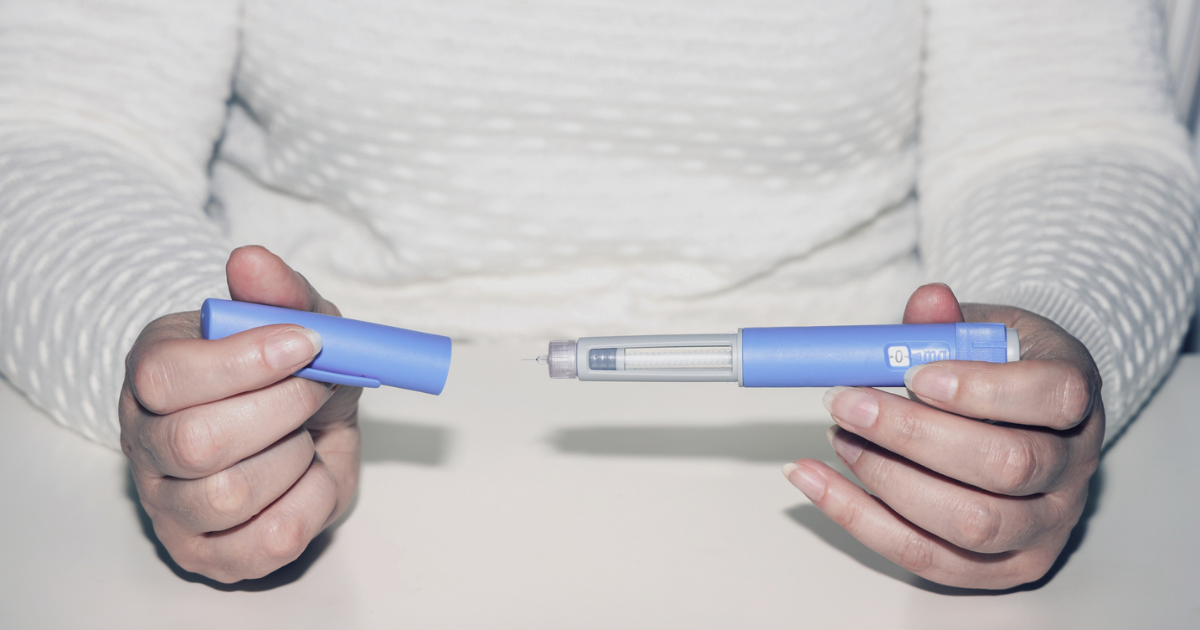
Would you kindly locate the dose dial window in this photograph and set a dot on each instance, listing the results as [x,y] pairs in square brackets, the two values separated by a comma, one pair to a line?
[898,356]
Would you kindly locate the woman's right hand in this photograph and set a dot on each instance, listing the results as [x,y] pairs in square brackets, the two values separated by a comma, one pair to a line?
[238,463]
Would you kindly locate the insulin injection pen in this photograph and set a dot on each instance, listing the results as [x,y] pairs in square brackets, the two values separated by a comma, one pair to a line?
[814,356]
[356,353]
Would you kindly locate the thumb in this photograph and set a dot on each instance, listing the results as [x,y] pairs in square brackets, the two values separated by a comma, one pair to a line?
[932,304]
[256,275]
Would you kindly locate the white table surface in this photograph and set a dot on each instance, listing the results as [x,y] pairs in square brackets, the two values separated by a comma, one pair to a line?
[513,501]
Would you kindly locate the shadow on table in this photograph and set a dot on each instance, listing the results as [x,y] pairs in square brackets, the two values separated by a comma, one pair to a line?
[423,445]
[404,442]
[810,517]
[768,442]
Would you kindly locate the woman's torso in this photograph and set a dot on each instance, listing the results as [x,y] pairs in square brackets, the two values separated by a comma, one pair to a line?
[503,166]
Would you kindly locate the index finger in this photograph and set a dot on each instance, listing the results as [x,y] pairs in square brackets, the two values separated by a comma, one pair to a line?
[171,374]
[1052,393]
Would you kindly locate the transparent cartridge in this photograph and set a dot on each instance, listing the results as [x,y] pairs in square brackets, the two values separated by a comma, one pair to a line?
[645,358]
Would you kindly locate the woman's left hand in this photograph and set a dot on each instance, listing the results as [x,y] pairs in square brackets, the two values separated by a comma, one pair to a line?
[956,500]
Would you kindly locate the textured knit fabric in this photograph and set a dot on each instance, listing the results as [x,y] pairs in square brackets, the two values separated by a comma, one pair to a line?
[108,115]
[565,167]
[1059,184]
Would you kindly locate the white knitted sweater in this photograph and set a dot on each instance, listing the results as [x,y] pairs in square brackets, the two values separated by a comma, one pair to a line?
[561,167]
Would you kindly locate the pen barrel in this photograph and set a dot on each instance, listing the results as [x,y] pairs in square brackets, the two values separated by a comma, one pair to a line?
[362,351]
[867,356]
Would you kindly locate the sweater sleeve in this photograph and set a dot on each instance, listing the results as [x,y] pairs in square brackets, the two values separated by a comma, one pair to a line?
[109,111]
[1055,177]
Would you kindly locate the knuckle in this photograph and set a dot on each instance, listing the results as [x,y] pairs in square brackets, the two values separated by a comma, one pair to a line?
[150,382]
[194,556]
[226,575]
[249,356]
[1072,400]
[977,525]
[986,392]
[284,539]
[194,446]
[312,393]
[908,430]
[915,553]
[1039,567]
[1020,467]
[1034,566]
[880,474]
[189,563]
[228,494]
[302,395]
[849,515]
[193,564]
[227,572]
[189,556]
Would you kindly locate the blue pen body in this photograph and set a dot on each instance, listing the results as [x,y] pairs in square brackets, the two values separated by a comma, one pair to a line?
[356,353]
[873,356]
[816,356]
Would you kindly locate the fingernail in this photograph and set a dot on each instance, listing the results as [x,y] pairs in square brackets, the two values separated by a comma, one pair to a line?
[788,468]
[843,446]
[830,394]
[292,347]
[931,381]
[853,406]
[805,480]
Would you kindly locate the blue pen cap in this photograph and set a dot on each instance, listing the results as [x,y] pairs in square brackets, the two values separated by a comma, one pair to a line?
[357,353]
